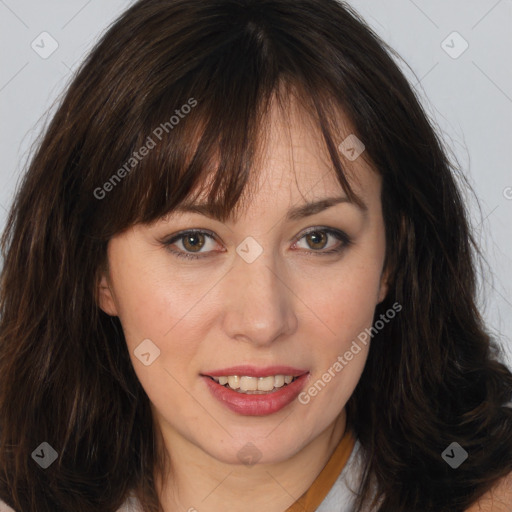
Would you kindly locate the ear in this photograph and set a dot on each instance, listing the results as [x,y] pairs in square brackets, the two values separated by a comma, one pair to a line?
[383,286]
[105,295]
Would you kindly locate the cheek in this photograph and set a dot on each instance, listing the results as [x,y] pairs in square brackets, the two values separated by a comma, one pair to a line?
[346,307]
[144,305]
[346,298]
[345,302]
[156,304]
[348,315]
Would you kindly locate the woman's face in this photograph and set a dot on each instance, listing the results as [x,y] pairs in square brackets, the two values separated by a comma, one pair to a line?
[262,294]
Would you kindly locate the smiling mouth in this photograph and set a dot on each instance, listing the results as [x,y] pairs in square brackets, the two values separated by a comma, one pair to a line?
[254,385]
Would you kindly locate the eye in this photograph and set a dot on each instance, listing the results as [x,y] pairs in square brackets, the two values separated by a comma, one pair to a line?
[191,242]
[317,239]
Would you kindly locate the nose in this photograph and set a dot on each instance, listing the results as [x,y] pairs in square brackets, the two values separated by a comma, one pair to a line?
[259,301]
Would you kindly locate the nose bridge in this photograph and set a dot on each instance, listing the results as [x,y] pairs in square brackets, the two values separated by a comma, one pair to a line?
[259,306]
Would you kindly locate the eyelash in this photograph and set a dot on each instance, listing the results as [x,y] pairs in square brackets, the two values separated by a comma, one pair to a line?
[340,235]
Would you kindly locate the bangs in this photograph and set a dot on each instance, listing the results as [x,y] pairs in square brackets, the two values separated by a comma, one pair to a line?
[202,132]
[200,153]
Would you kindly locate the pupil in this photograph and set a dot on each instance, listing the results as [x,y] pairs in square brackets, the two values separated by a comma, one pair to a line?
[317,237]
[192,242]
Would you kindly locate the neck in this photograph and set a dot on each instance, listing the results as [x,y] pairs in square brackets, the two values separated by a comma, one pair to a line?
[198,482]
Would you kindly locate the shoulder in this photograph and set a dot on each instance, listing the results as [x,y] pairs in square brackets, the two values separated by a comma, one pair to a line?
[4,507]
[498,499]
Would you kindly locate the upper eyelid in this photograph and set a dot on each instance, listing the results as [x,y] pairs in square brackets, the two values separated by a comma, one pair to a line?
[337,233]
[212,234]
[181,234]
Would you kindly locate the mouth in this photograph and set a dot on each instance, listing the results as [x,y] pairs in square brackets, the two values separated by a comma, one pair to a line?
[254,385]
[256,392]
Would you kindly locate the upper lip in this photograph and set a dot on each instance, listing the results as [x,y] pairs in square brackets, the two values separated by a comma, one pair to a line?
[253,371]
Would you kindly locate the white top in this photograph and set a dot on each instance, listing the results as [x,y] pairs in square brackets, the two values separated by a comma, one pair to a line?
[341,497]
[343,493]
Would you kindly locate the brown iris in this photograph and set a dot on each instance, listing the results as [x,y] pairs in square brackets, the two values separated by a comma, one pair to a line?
[194,242]
[317,238]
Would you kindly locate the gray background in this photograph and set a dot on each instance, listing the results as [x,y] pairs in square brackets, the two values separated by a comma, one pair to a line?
[468,97]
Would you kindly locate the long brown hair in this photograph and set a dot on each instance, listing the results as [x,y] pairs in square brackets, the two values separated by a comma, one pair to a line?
[432,375]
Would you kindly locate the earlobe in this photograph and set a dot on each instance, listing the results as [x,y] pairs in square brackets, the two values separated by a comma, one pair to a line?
[105,296]
[383,287]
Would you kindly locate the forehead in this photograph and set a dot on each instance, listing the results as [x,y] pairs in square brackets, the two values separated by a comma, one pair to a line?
[294,166]
[293,156]
[292,169]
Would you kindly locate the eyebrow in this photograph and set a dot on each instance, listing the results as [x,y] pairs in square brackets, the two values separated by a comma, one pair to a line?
[305,210]
[293,214]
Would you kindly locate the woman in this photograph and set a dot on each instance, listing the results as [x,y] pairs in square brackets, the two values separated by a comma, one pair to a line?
[239,275]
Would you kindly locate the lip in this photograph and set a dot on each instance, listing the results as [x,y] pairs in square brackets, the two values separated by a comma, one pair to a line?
[253,371]
[256,405]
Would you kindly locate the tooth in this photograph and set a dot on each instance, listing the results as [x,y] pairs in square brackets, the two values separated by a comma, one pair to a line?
[266,383]
[279,381]
[248,383]
[254,384]
[234,381]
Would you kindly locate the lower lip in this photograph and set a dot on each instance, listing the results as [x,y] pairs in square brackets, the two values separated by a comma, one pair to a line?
[257,405]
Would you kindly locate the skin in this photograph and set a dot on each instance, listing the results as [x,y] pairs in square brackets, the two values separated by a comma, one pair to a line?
[290,306]
[498,499]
